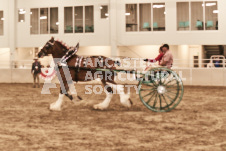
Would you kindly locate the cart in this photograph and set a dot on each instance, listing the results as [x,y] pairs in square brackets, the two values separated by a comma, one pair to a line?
[160,89]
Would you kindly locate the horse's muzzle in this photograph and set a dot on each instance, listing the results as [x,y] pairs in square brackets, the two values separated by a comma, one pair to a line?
[41,54]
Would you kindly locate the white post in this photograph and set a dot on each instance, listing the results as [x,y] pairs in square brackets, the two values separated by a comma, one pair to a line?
[12,29]
[113,27]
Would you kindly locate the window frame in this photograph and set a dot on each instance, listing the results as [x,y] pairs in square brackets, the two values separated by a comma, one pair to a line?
[48,17]
[107,17]
[3,23]
[73,19]
[138,18]
[20,10]
[204,16]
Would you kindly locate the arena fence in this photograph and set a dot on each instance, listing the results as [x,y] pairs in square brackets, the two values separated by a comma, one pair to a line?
[192,73]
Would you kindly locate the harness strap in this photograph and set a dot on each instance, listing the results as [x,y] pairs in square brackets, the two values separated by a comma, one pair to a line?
[77,67]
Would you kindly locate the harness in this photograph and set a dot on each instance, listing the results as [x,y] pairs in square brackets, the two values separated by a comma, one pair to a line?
[69,54]
[77,67]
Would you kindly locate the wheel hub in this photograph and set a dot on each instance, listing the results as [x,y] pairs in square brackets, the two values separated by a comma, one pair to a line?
[161,89]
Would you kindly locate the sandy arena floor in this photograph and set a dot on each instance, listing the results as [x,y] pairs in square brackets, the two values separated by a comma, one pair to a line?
[26,123]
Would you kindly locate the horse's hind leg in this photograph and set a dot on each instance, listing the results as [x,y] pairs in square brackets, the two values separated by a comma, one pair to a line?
[124,97]
[104,105]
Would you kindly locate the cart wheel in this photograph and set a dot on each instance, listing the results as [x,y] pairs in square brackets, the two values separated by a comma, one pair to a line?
[161,89]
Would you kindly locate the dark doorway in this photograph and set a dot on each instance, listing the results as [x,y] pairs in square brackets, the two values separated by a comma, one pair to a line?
[196,61]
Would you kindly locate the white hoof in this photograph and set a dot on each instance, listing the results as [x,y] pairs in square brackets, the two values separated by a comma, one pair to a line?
[100,106]
[124,99]
[54,107]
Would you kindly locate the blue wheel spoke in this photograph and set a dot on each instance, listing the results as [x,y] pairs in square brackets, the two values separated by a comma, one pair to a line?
[150,98]
[165,101]
[170,86]
[149,84]
[170,81]
[147,89]
[168,97]
[171,92]
[148,94]
[155,100]
[160,101]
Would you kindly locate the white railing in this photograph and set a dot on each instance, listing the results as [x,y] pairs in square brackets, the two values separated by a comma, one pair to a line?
[134,63]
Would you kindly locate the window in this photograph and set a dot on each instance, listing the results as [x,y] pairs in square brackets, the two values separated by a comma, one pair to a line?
[34,21]
[21,15]
[89,26]
[1,23]
[54,20]
[75,23]
[151,17]
[211,15]
[203,15]
[145,17]
[68,22]
[44,21]
[159,16]
[183,16]
[78,19]
[131,17]
[104,11]
[197,16]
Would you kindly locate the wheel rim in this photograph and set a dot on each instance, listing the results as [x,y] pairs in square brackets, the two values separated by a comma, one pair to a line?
[163,91]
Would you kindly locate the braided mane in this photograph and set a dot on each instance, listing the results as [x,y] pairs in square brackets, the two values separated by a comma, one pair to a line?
[63,44]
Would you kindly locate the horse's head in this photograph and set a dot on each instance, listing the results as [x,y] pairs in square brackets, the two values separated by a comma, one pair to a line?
[47,49]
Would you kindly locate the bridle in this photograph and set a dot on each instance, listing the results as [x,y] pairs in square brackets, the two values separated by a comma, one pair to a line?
[47,46]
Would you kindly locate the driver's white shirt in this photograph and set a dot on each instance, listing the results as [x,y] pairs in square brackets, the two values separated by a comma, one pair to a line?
[168,58]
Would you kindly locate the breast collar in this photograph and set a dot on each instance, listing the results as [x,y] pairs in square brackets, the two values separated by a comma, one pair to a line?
[69,54]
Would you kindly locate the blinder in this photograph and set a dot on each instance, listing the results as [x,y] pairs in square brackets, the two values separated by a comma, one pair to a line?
[47,46]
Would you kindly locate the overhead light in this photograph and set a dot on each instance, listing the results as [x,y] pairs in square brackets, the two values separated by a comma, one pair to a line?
[210,4]
[165,13]
[22,12]
[101,7]
[127,14]
[21,20]
[2,18]
[31,13]
[43,17]
[158,6]
[215,11]
[106,14]
[57,23]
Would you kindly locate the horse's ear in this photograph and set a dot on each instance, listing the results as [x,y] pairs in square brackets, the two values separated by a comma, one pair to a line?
[77,46]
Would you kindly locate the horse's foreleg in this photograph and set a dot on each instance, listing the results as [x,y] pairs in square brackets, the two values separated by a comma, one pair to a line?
[71,92]
[56,106]
[104,105]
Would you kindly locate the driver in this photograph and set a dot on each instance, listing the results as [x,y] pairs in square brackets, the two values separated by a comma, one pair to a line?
[167,59]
